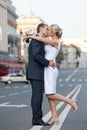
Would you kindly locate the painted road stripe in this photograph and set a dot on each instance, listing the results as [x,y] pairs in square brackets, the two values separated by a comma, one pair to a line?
[13,94]
[2,96]
[7,104]
[67,79]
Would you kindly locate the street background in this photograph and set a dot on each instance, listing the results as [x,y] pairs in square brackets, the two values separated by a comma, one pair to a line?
[15,106]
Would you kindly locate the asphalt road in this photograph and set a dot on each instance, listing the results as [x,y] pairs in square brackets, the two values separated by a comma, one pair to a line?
[15,105]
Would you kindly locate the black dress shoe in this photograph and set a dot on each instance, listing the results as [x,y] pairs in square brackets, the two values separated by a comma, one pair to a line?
[41,122]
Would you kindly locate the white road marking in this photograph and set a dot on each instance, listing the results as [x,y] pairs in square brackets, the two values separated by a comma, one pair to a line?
[80,80]
[16,93]
[85,80]
[67,79]
[70,85]
[13,94]
[73,80]
[26,91]
[7,104]
[61,85]
[60,80]
[47,116]
[25,86]
[16,86]
[7,87]
[2,96]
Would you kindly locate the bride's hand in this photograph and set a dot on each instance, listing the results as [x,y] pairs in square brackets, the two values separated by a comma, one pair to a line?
[52,64]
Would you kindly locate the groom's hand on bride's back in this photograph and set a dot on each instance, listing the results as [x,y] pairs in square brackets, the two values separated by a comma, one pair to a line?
[52,64]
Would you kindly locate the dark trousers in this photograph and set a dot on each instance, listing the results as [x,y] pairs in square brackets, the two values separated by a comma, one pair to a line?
[36,99]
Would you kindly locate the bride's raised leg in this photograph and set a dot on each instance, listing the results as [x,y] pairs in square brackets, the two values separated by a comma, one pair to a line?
[60,97]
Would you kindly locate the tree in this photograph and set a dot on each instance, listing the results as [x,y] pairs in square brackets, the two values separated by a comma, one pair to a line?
[60,57]
[78,51]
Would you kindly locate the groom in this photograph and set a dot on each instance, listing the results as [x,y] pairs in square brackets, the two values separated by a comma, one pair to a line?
[35,73]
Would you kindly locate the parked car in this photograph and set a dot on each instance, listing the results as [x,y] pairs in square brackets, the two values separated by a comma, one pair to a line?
[13,77]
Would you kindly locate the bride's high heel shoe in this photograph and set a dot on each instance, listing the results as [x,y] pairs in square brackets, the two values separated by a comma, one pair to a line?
[56,122]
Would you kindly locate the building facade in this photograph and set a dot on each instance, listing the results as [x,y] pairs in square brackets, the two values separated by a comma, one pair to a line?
[25,23]
[3,26]
[8,36]
[69,56]
[28,22]
[8,39]
[82,44]
[11,29]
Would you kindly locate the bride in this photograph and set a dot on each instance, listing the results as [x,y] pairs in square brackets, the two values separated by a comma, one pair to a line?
[52,47]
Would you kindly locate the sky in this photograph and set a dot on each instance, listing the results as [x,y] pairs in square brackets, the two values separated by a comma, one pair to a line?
[70,15]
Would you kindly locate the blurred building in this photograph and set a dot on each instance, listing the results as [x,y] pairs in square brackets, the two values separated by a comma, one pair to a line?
[28,22]
[82,44]
[11,29]
[3,26]
[25,23]
[69,56]
[8,38]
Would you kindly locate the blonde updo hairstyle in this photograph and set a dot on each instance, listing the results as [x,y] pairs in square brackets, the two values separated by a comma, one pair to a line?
[57,30]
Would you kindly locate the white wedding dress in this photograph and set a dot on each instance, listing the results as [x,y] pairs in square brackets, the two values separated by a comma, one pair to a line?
[50,74]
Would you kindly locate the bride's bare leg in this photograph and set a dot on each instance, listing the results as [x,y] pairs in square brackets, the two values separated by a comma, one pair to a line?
[60,97]
[53,110]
